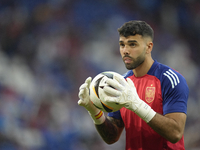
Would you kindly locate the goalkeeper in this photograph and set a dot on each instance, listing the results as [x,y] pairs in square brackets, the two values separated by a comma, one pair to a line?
[154,97]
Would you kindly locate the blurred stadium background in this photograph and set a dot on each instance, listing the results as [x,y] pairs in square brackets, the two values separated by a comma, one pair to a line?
[49,47]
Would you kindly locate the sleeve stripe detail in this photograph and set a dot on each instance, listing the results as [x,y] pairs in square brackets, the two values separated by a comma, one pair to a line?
[175,75]
[172,77]
[169,79]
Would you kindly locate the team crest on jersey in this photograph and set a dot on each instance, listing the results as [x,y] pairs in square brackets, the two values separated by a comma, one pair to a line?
[150,94]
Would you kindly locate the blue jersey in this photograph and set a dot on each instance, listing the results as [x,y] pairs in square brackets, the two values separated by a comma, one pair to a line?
[166,91]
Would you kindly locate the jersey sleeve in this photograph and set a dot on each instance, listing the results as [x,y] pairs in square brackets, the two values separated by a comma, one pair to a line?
[116,115]
[175,92]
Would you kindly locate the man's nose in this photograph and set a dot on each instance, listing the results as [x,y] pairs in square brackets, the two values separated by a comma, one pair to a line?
[126,50]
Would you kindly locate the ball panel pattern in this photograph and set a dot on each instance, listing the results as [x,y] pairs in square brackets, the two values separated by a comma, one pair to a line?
[97,94]
[106,107]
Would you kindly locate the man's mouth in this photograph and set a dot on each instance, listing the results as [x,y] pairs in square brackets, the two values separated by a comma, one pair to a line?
[127,59]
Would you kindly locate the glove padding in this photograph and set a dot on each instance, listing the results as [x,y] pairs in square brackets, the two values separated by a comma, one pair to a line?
[124,93]
[85,98]
[96,114]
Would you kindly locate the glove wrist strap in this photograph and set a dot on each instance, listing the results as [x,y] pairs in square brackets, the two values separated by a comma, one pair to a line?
[145,112]
[98,117]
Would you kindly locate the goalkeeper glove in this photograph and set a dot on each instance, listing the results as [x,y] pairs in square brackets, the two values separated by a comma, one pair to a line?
[96,114]
[124,93]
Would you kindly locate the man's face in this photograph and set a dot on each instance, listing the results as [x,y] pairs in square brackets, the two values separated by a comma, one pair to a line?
[132,50]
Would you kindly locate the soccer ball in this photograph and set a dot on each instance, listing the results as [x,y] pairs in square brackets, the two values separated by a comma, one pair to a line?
[97,93]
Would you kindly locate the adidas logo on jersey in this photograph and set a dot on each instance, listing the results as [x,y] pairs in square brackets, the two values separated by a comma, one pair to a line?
[172,77]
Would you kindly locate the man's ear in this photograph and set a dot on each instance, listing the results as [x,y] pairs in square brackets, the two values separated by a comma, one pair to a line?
[149,47]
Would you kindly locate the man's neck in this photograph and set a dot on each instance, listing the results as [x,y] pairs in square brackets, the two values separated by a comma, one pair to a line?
[143,68]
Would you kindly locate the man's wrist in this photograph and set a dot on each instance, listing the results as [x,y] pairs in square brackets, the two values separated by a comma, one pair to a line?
[145,112]
[98,117]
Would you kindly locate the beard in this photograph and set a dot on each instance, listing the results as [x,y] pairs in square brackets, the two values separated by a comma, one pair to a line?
[135,61]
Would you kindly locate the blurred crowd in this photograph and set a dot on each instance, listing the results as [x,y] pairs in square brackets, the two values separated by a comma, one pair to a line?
[49,47]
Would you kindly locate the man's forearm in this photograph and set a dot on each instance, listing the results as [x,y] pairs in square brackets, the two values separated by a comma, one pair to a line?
[110,130]
[170,126]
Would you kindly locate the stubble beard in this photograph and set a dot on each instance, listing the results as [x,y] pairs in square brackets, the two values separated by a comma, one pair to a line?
[135,62]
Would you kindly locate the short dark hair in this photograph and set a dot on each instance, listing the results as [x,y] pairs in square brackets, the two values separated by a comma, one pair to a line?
[136,27]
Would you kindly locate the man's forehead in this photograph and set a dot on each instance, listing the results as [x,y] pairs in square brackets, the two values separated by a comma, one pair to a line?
[130,38]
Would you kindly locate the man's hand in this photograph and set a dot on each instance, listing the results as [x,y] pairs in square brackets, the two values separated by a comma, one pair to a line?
[97,115]
[124,93]
[85,98]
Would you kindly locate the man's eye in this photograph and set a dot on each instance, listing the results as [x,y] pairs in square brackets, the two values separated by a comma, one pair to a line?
[132,44]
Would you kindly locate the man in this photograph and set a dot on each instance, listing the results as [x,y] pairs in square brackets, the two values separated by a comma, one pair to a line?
[153,96]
